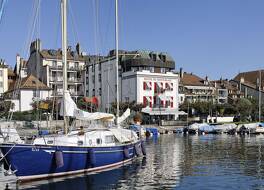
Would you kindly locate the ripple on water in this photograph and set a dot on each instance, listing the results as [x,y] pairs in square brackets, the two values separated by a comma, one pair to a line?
[177,162]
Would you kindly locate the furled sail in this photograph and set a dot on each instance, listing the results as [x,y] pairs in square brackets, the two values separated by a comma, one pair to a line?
[73,111]
[71,107]
[125,115]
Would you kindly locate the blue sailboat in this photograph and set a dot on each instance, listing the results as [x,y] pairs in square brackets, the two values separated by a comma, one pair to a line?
[78,151]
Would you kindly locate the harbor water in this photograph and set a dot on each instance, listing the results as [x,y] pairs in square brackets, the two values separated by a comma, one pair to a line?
[175,161]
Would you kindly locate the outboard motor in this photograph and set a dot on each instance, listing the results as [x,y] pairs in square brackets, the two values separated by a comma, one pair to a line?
[243,130]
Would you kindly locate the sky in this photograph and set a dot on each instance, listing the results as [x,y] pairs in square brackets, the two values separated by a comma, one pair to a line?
[215,38]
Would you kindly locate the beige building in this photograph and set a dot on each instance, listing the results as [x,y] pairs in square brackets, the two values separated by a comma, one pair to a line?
[47,65]
[195,89]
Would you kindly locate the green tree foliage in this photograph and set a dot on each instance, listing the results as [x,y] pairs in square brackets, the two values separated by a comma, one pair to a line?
[244,108]
[124,105]
[86,106]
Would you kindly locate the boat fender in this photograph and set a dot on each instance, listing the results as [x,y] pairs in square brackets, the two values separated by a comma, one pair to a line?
[126,152]
[138,150]
[59,158]
[92,157]
[143,148]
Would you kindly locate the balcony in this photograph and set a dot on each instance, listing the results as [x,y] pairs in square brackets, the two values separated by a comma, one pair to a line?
[75,80]
[78,93]
[58,93]
[56,79]
[75,68]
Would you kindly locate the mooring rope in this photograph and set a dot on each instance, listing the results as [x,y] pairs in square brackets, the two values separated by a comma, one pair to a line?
[7,153]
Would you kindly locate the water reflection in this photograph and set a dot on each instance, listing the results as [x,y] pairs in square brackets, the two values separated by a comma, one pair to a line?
[178,162]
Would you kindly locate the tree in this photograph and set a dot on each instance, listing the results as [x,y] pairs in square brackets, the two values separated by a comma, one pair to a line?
[244,108]
[124,105]
[87,106]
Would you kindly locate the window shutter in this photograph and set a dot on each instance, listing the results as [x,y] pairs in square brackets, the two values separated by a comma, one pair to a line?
[144,101]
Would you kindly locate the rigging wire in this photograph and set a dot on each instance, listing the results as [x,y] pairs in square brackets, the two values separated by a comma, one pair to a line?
[2,6]
[35,10]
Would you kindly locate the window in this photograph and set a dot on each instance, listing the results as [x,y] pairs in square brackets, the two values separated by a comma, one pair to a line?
[54,63]
[100,91]
[1,84]
[100,77]
[76,65]
[50,142]
[1,73]
[99,67]
[109,139]
[154,56]
[80,142]
[99,141]
[93,68]
[36,93]
[144,85]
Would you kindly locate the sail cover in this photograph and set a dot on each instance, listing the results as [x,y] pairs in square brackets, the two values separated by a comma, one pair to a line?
[83,115]
[73,111]
[71,107]
[125,115]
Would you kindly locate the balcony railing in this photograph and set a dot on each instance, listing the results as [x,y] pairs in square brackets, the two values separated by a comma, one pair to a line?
[76,68]
[56,79]
[75,80]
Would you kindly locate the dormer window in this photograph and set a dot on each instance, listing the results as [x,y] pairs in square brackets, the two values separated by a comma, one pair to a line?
[154,57]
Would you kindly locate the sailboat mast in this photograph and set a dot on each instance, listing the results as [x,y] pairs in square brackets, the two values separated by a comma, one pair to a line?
[259,96]
[64,57]
[117,60]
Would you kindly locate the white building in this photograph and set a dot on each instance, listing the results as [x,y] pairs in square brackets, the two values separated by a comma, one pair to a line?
[20,67]
[158,92]
[3,77]
[144,77]
[25,94]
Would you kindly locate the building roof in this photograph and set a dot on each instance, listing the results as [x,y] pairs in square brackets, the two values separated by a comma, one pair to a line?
[11,73]
[57,54]
[189,79]
[250,78]
[30,82]
[224,84]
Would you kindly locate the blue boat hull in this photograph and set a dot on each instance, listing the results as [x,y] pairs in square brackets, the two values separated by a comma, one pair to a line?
[34,162]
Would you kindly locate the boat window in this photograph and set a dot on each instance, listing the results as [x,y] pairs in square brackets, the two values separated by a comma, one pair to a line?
[99,141]
[80,142]
[109,139]
[50,142]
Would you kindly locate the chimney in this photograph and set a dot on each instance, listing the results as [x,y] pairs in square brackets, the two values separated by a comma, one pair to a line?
[35,46]
[181,72]
[69,48]
[18,63]
[78,48]
[242,80]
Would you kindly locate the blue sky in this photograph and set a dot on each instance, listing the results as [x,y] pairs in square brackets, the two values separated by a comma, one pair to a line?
[217,38]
